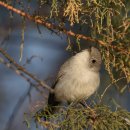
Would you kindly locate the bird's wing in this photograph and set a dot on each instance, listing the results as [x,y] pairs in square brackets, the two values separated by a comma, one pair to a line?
[62,71]
[57,80]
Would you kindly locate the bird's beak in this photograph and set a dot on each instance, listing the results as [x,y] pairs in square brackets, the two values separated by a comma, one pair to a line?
[89,49]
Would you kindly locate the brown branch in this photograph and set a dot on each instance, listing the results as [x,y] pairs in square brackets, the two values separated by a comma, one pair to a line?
[52,26]
[47,24]
[10,66]
[22,69]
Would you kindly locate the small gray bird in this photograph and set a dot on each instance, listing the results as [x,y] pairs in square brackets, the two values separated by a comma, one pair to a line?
[78,78]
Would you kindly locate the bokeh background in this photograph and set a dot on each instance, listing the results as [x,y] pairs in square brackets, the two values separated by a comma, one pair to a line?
[49,52]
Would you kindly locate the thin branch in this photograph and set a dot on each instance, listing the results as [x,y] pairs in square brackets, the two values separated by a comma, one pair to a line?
[10,66]
[20,68]
[22,98]
[46,24]
[106,89]
[52,26]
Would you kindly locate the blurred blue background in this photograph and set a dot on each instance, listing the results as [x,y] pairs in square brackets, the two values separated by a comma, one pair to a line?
[49,52]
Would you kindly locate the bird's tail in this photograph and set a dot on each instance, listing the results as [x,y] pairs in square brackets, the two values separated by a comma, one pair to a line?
[52,102]
[51,108]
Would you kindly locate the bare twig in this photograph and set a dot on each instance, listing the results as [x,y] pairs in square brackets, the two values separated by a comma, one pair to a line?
[106,89]
[52,26]
[20,68]
[23,97]
[10,66]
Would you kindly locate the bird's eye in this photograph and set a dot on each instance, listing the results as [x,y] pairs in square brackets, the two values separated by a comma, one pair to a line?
[93,61]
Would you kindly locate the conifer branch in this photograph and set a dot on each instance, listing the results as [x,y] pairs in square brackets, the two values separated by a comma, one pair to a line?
[52,26]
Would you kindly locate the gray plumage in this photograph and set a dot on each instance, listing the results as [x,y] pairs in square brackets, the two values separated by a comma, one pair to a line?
[78,77]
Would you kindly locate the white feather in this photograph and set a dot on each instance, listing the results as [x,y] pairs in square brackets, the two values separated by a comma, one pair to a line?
[76,79]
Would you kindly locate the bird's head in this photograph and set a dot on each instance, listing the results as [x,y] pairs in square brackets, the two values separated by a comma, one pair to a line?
[94,59]
[88,59]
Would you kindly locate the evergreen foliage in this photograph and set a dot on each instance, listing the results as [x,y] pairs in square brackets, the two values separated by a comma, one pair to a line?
[107,25]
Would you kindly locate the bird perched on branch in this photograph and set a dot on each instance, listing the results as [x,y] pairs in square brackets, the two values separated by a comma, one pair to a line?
[78,78]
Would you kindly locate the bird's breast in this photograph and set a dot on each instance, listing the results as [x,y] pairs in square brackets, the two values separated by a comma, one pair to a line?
[77,86]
